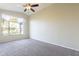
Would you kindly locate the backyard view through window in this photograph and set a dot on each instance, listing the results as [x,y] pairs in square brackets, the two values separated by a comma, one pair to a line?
[12,25]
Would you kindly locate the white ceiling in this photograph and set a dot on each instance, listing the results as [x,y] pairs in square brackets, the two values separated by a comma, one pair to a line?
[18,7]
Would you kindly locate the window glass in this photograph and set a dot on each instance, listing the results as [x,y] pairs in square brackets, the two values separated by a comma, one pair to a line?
[12,25]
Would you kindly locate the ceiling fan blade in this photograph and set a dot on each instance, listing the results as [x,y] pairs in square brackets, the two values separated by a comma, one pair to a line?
[35,5]
[32,10]
[25,10]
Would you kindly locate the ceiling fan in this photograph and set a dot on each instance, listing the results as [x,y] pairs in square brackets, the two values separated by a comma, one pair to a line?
[30,7]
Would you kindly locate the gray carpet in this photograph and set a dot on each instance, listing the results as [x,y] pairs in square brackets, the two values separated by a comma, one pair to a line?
[29,47]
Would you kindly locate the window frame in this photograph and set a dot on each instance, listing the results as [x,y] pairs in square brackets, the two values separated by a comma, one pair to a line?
[9,28]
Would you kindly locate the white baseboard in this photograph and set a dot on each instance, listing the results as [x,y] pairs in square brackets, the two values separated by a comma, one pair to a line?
[58,45]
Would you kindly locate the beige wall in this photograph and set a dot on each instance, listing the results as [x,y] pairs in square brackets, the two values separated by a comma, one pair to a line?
[15,37]
[58,24]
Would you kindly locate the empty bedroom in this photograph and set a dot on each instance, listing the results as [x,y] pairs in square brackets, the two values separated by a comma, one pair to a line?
[39,29]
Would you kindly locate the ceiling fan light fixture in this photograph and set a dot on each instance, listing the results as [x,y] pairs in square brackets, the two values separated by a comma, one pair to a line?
[28,7]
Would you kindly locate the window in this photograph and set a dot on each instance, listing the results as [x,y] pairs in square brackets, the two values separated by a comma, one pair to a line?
[12,25]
